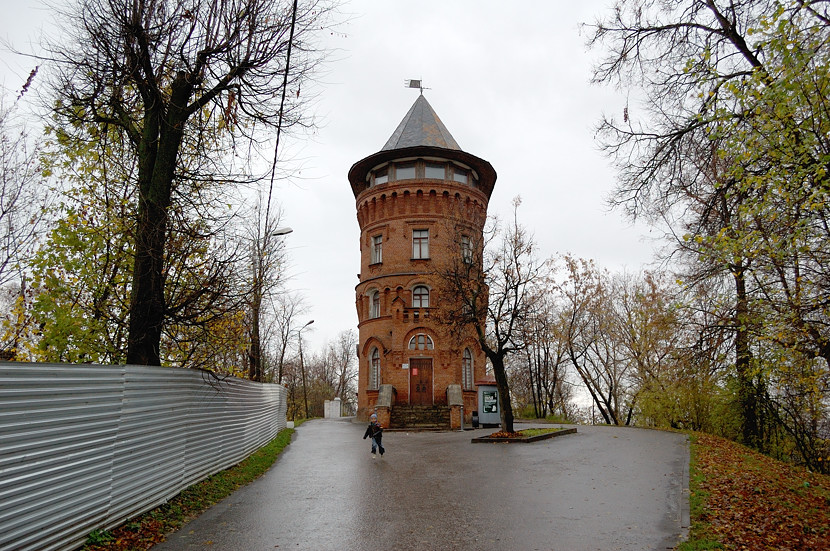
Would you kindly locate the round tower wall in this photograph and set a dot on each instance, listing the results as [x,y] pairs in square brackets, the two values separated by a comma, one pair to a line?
[397,220]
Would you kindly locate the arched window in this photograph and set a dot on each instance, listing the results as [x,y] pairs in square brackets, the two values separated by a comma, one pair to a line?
[420,297]
[374,369]
[420,342]
[467,370]
[374,304]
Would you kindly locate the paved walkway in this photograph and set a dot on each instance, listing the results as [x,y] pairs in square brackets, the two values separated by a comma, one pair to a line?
[603,488]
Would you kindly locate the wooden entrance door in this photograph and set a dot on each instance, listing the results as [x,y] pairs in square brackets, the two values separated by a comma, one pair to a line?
[420,381]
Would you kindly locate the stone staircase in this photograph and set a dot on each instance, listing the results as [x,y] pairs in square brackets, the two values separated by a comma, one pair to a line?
[420,417]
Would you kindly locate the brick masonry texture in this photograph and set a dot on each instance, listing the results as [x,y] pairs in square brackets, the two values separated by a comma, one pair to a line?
[394,210]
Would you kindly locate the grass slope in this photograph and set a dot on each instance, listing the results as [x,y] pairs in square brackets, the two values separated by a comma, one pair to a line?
[741,499]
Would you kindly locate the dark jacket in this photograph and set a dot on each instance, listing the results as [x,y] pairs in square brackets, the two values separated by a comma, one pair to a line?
[373,431]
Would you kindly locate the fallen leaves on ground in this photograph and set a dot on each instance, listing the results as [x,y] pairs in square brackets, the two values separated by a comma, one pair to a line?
[138,535]
[504,434]
[757,503]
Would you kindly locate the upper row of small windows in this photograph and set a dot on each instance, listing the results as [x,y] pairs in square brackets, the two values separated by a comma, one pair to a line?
[421,169]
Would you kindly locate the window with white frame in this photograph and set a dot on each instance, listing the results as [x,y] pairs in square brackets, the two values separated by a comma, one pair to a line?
[466,249]
[467,370]
[420,297]
[420,342]
[374,369]
[459,174]
[374,304]
[420,244]
[377,249]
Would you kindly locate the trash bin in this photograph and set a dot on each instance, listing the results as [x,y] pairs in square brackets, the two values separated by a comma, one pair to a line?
[475,419]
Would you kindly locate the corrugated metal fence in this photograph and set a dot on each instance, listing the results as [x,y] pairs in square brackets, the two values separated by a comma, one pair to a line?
[87,447]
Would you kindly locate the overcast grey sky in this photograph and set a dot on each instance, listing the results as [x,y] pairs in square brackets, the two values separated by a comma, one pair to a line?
[510,82]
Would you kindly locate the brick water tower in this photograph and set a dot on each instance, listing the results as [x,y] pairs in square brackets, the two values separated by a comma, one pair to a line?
[420,201]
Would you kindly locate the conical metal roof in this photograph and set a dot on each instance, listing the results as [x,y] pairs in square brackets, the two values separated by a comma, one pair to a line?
[421,134]
[421,127]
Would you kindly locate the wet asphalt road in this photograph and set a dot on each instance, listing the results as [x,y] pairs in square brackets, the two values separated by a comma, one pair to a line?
[603,488]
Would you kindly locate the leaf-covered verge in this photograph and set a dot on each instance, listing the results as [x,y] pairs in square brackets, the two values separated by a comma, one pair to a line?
[150,529]
[524,433]
[741,499]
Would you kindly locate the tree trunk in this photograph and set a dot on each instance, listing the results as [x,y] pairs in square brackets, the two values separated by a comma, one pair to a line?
[255,353]
[147,306]
[598,401]
[747,399]
[532,379]
[282,358]
[612,407]
[505,407]
[147,300]
[541,382]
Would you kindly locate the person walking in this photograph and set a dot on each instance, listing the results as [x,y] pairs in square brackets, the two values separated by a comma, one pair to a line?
[375,432]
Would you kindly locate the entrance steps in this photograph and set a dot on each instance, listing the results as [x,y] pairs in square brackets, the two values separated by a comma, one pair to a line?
[407,417]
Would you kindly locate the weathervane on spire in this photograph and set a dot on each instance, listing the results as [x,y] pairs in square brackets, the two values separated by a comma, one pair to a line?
[415,84]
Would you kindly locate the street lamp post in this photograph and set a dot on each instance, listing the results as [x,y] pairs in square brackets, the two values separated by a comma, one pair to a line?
[255,356]
[302,365]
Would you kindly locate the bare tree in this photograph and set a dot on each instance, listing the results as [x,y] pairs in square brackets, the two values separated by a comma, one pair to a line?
[22,207]
[489,289]
[21,202]
[330,373]
[180,76]
[281,330]
[267,271]
[341,359]
[587,327]
[544,365]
